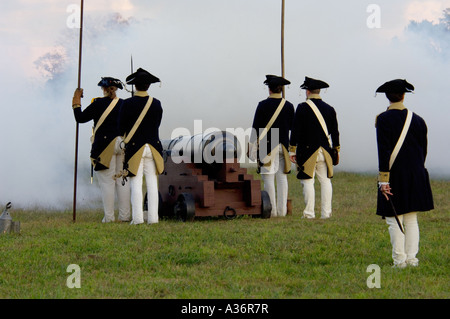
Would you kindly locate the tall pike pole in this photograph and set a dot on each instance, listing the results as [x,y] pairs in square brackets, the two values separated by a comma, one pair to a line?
[77,125]
[282,41]
[132,86]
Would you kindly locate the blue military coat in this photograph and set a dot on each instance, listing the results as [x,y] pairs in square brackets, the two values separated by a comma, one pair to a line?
[408,177]
[308,136]
[147,132]
[283,124]
[104,140]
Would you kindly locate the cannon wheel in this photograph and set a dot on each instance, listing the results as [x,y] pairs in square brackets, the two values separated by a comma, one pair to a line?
[184,207]
[266,206]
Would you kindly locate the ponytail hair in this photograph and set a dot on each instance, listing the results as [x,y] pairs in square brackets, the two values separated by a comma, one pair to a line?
[109,91]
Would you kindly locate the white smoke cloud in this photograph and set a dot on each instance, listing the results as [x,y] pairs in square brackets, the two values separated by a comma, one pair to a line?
[212,57]
[429,10]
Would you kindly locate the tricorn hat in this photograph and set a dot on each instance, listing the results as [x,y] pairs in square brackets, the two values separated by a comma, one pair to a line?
[273,80]
[313,84]
[109,81]
[141,76]
[396,86]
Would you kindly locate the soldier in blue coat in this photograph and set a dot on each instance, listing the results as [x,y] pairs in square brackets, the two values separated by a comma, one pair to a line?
[106,155]
[273,154]
[140,120]
[315,152]
[404,186]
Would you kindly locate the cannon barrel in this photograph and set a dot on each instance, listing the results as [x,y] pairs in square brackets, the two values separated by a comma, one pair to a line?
[212,148]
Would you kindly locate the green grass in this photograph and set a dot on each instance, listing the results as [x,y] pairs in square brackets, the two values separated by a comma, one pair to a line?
[280,258]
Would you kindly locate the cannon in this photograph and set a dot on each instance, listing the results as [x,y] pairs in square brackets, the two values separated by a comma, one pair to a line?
[202,177]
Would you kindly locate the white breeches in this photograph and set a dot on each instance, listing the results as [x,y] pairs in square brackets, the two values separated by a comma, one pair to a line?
[110,186]
[404,246]
[278,198]
[146,168]
[326,190]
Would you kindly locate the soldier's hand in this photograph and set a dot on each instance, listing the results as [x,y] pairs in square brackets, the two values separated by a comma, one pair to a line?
[386,190]
[77,95]
[293,159]
[78,92]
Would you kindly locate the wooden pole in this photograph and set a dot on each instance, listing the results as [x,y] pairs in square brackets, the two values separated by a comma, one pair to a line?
[282,42]
[132,86]
[77,125]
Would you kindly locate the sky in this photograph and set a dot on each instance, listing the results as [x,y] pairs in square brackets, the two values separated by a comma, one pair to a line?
[212,57]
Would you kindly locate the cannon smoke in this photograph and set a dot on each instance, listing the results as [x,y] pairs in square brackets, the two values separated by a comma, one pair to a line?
[213,74]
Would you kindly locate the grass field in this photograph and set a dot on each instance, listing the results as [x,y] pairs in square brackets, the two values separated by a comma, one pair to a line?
[277,258]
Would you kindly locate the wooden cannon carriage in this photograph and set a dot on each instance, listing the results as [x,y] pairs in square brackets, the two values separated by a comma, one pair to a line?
[202,177]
